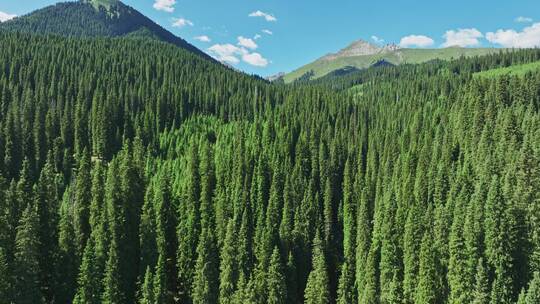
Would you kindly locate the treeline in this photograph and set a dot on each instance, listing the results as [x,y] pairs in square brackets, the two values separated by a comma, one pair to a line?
[139,173]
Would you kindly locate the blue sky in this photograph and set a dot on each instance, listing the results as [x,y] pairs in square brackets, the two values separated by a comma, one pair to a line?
[300,31]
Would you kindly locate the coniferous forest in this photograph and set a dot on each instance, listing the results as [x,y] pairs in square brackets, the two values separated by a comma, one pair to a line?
[134,171]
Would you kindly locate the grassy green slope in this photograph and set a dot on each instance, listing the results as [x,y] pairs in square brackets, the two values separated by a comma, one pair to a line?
[323,67]
[515,70]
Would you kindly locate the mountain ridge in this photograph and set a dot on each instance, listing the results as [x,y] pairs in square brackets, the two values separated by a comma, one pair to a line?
[95,18]
[361,48]
[361,54]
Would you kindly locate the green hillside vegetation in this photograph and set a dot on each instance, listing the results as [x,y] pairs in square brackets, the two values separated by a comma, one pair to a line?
[139,172]
[515,70]
[134,170]
[322,67]
[94,18]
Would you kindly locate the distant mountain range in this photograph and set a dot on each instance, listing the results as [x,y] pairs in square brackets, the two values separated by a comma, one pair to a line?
[362,54]
[95,18]
[112,18]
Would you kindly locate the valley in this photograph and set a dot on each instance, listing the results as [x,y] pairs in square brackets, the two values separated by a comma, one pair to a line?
[136,168]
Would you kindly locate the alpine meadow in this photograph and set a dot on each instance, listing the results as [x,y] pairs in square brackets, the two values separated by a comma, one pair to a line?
[137,168]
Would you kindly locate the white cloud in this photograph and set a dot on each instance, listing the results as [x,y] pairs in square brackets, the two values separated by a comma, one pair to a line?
[416,41]
[528,38]
[462,37]
[522,19]
[255,59]
[5,16]
[377,39]
[247,43]
[181,22]
[257,36]
[232,54]
[165,5]
[227,52]
[267,17]
[203,38]
[268,32]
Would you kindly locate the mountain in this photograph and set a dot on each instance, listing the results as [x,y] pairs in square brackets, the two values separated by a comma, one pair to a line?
[362,54]
[95,18]
[276,77]
[361,48]
[134,171]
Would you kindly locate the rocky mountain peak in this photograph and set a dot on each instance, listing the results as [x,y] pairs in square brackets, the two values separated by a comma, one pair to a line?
[362,48]
[392,47]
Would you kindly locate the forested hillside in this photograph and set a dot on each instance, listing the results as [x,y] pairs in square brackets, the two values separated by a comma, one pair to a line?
[138,172]
[94,18]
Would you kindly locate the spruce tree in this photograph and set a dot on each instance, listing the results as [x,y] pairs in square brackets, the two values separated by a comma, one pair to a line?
[89,283]
[98,195]
[428,289]
[26,270]
[481,288]
[390,263]
[277,288]
[147,233]
[245,241]
[82,198]
[317,289]
[68,260]
[161,293]
[287,217]
[228,267]
[188,229]
[457,268]
[165,230]
[147,288]
[208,184]
[46,201]
[205,283]
[499,243]
[349,214]
[363,241]
[273,216]
[112,285]
[346,290]
[24,187]
[130,200]
[412,240]
[369,290]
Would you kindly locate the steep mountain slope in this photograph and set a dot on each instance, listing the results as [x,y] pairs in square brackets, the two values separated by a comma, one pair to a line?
[362,54]
[95,18]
